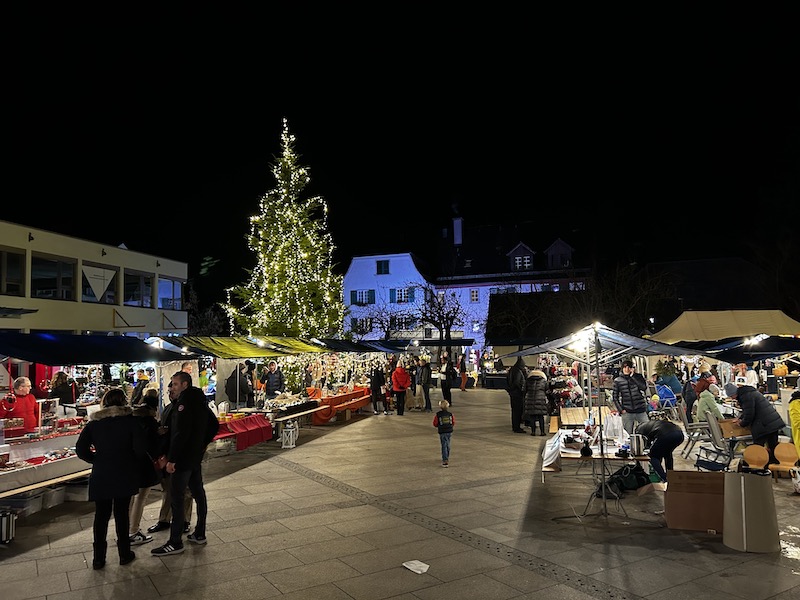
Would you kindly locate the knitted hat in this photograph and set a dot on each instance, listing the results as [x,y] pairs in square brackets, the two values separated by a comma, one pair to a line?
[714,389]
[731,390]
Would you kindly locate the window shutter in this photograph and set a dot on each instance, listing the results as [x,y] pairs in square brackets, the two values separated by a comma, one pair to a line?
[392,296]
[353,297]
[371,296]
[411,294]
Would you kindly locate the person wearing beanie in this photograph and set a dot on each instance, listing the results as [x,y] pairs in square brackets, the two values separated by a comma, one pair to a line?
[794,418]
[758,414]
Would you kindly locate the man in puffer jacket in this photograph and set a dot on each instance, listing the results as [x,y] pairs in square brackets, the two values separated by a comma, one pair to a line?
[758,414]
[628,396]
[535,406]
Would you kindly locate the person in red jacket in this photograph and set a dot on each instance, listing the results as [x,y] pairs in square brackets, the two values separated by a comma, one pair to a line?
[21,405]
[401,381]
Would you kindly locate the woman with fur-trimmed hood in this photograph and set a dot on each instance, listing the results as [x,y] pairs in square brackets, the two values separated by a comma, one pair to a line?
[535,404]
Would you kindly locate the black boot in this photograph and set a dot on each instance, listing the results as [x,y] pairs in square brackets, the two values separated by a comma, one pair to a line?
[99,559]
[126,555]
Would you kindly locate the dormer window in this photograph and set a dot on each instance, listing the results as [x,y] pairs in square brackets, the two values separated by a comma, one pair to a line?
[523,263]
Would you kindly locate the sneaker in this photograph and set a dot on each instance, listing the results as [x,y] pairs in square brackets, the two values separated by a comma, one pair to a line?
[375,412]
[166,550]
[196,539]
[445,465]
[160,526]
[138,538]
[186,526]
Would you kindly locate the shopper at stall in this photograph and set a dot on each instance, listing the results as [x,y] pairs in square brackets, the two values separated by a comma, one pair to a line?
[758,414]
[462,371]
[535,405]
[446,375]
[115,445]
[188,432]
[142,380]
[628,396]
[663,437]
[145,413]
[424,379]
[377,386]
[237,387]
[515,386]
[21,404]
[272,378]
[401,381]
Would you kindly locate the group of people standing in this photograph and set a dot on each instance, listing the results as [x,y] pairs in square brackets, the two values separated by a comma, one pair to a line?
[527,393]
[124,444]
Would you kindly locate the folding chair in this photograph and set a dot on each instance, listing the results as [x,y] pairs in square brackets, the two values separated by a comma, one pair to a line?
[695,432]
[667,401]
[718,455]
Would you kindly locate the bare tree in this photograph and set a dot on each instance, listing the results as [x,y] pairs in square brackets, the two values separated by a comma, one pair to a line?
[440,308]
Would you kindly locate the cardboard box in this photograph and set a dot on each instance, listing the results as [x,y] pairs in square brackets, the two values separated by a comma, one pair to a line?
[344,415]
[730,428]
[694,500]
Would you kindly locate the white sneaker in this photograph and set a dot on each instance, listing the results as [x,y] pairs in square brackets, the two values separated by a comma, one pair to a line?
[139,538]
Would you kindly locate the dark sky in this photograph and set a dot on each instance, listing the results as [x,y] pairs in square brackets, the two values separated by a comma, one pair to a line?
[162,138]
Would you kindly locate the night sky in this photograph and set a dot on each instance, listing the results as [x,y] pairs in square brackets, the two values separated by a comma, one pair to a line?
[672,141]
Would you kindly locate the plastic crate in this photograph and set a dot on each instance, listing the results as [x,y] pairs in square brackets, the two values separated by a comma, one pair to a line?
[77,490]
[22,506]
[53,496]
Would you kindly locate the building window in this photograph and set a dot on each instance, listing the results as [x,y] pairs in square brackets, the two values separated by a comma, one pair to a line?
[361,326]
[474,296]
[382,267]
[170,294]
[362,297]
[401,295]
[99,284]
[138,289]
[52,278]
[523,263]
[401,323]
[12,273]
[428,333]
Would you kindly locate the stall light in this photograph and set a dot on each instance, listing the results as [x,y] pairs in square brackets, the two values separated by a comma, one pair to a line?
[755,339]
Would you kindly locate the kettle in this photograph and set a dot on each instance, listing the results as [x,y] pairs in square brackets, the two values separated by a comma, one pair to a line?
[637,442]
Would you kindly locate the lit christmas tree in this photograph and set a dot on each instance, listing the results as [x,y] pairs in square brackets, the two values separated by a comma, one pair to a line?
[292,290]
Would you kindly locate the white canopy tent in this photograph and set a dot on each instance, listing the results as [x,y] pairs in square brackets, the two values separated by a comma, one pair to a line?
[713,325]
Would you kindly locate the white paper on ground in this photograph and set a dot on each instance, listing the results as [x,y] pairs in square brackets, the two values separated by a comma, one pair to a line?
[417,566]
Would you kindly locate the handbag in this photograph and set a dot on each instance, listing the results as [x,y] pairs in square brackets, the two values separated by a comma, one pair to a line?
[160,462]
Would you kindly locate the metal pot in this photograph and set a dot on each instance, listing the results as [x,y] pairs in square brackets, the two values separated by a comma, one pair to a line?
[637,444]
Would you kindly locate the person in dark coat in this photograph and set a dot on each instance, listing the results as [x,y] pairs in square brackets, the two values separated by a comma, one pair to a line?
[187,445]
[535,405]
[377,386]
[273,380]
[628,396]
[516,382]
[146,414]
[114,443]
[424,377]
[759,415]
[663,437]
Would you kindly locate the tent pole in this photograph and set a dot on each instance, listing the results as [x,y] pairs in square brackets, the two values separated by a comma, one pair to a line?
[597,349]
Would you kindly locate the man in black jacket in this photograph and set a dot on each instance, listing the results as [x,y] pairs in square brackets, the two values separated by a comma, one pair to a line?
[188,440]
[628,396]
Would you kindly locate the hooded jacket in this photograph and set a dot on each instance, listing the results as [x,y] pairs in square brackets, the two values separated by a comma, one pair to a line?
[516,378]
[119,449]
[706,401]
[536,394]
[757,413]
